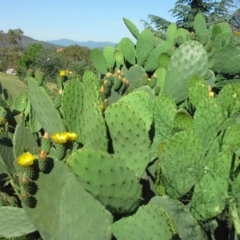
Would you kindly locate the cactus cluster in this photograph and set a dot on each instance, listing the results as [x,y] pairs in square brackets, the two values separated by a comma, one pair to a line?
[147,149]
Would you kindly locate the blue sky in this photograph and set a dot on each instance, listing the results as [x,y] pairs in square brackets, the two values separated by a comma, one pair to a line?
[79,20]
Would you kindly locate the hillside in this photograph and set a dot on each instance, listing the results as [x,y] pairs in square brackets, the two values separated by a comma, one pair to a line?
[25,41]
[89,44]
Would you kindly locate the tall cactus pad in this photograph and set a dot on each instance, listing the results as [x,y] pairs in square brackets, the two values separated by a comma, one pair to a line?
[149,222]
[108,53]
[24,140]
[127,47]
[189,229]
[227,60]
[145,44]
[81,216]
[108,178]
[181,166]
[207,121]
[14,223]
[200,25]
[72,107]
[129,135]
[229,99]
[20,102]
[164,111]
[43,106]
[45,215]
[132,28]
[197,90]
[98,60]
[152,61]
[141,102]
[94,129]
[171,32]
[6,152]
[211,192]
[188,60]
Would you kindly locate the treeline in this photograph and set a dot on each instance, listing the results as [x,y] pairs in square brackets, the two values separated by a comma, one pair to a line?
[49,60]
[74,58]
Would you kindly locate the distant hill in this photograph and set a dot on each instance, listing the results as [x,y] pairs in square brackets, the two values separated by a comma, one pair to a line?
[25,41]
[28,40]
[89,44]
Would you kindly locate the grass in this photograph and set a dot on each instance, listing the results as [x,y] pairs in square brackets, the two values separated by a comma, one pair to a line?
[12,83]
[15,86]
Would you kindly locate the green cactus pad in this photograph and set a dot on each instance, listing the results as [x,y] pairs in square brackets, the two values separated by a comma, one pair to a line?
[15,223]
[182,166]
[200,25]
[90,76]
[20,102]
[6,153]
[149,222]
[24,141]
[8,97]
[182,66]
[171,32]
[108,53]
[128,132]
[98,60]
[229,99]
[141,103]
[163,60]
[83,217]
[132,28]
[197,90]
[211,192]
[119,58]
[183,33]
[188,229]
[183,122]
[222,39]
[164,111]
[127,47]
[208,118]
[216,31]
[227,60]
[44,109]
[133,74]
[34,124]
[152,63]
[145,44]
[57,216]
[108,178]
[72,107]
[94,130]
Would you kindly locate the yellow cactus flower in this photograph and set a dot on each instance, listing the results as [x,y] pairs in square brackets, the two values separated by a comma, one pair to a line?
[237,34]
[64,137]
[60,137]
[72,136]
[211,94]
[149,79]
[63,73]
[26,159]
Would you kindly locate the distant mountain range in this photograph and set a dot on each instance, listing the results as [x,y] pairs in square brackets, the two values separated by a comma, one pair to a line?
[89,44]
[25,41]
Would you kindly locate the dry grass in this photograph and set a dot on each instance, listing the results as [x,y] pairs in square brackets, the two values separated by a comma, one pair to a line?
[12,83]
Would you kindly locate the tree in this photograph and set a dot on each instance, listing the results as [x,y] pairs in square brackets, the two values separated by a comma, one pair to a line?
[75,58]
[28,59]
[186,10]
[48,61]
[235,20]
